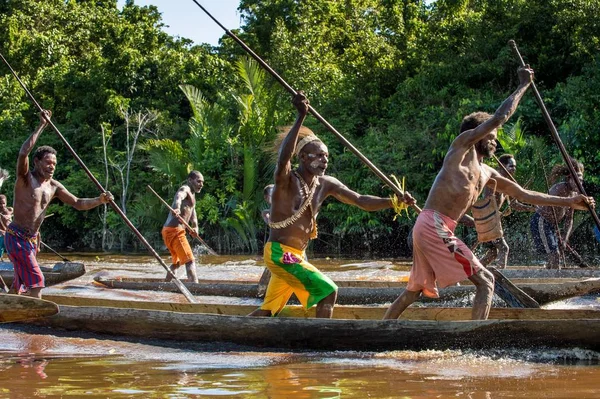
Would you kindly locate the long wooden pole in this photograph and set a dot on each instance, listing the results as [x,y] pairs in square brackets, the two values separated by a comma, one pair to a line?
[318,116]
[53,251]
[183,222]
[4,284]
[555,135]
[178,283]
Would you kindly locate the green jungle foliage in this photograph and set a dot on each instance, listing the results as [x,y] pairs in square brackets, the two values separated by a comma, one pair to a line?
[394,77]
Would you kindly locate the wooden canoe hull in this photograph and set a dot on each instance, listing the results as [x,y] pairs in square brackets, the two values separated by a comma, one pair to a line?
[399,283]
[18,308]
[59,273]
[516,273]
[340,312]
[329,334]
[542,293]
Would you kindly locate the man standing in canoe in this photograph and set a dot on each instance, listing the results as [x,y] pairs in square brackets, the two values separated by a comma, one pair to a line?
[438,255]
[6,214]
[173,232]
[34,189]
[297,197]
[499,248]
[544,223]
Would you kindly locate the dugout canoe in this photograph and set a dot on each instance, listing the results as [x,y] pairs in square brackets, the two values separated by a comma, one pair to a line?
[59,273]
[529,272]
[397,283]
[336,334]
[542,293]
[18,308]
[368,312]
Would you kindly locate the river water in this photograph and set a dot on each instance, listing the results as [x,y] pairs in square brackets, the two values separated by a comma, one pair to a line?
[45,363]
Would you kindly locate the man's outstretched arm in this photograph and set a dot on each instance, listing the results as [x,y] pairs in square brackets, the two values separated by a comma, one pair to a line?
[533,197]
[81,204]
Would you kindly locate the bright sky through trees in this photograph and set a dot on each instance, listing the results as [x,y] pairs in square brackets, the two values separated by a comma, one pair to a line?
[185,19]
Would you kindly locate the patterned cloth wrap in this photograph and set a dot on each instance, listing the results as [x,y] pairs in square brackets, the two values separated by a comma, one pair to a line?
[22,247]
[544,234]
[439,257]
[292,274]
[2,246]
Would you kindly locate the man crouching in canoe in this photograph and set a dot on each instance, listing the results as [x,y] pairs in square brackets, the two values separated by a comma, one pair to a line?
[33,192]
[437,253]
[297,198]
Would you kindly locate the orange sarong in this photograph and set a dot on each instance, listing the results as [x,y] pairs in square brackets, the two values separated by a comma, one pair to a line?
[178,245]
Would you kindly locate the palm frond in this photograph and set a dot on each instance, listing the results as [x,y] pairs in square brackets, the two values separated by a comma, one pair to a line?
[167,157]
[251,74]
[196,99]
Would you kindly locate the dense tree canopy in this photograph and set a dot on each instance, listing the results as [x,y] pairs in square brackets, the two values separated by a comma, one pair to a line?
[395,77]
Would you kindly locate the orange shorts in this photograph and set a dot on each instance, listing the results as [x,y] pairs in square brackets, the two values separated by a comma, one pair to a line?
[439,257]
[178,245]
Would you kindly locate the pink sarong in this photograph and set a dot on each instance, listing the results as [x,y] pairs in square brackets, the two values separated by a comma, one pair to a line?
[438,255]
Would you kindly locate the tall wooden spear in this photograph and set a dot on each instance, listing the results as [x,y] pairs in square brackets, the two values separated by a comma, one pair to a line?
[555,136]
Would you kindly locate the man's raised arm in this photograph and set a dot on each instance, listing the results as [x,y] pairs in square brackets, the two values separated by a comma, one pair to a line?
[288,146]
[23,160]
[502,114]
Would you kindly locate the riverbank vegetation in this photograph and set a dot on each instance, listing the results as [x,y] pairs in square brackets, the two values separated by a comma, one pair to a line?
[395,77]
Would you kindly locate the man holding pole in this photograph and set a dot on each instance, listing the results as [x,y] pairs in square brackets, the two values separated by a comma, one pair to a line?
[439,257]
[173,232]
[34,189]
[297,197]
[545,222]
[6,215]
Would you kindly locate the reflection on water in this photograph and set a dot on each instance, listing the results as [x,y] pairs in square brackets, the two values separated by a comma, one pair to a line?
[55,366]
[38,362]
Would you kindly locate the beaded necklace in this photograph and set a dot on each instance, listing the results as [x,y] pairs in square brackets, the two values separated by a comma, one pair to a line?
[308,193]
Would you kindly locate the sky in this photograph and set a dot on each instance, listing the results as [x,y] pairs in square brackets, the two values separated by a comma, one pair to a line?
[185,19]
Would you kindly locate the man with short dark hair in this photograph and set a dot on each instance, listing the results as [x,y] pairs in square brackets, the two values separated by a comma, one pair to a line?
[439,257]
[173,232]
[34,189]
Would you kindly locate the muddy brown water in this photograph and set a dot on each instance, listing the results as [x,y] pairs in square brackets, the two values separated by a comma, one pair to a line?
[45,363]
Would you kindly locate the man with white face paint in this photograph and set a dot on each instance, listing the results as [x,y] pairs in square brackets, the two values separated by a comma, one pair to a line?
[439,257]
[34,189]
[499,248]
[297,197]
[545,222]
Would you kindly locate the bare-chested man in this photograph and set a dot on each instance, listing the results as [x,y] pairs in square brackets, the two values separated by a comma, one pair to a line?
[499,248]
[545,222]
[173,232]
[297,198]
[437,253]
[6,214]
[34,189]
[268,196]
